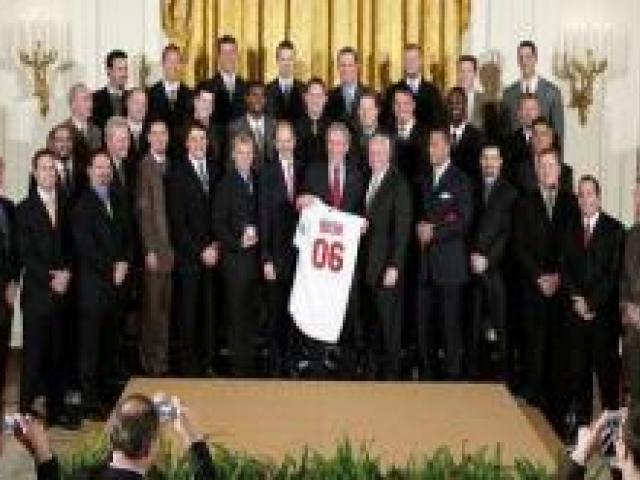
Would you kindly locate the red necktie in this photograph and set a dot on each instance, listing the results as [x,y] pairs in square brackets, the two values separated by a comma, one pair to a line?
[336,188]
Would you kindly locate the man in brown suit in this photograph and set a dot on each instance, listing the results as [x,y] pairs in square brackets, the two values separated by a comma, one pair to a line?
[630,303]
[157,251]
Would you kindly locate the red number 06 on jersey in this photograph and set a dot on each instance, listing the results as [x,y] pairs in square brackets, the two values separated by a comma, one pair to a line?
[327,254]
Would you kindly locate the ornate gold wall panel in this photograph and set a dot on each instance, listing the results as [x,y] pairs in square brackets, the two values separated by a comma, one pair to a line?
[377,28]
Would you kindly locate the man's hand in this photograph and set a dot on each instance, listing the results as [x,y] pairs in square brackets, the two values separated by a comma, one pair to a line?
[589,438]
[210,255]
[120,270]
[580,307]
[60,281]
[390,277]
[548,284]
[479,263]
[151,261]
[10,293]
[183,424]
[269,271]
[31,434]
[424,231]
[249,237]
[305,200]
[631,314]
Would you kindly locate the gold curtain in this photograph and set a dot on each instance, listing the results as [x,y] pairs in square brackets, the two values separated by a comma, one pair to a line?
[377,28]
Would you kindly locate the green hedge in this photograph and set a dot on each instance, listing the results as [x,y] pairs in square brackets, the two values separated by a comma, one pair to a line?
[347,463]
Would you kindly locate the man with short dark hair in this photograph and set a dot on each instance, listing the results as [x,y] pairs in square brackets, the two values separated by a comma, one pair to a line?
[169,99]
[491,232]
[429,106]
[257,125]
[542,218]
[548,94]
[445,210]
[109,100]
[367,126]
[87,137]
[44,250]
[342,102]
[409,137]
[466,78]
[311,128]
[190,198]
[136,101]
[590,270]
[466,139]
[227,85]
[284,93]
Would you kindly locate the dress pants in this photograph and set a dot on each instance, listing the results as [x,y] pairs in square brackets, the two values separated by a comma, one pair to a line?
[279,322]
[438,317]
[384,318]
[594,347]
[240,272]
[43,334]
[154,328]
[195,319]
[489,312]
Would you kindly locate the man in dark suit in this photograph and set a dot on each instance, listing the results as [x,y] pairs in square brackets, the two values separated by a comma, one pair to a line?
[491,232]
[518,145]
[630,302]
[590,270]
[87,137]
[45,256]
[203,105]
[236,226]
[477,100]
[279,184]
[408,135]
[384,246]
[257,125]
[190,192]
[367,126]
[311,128]
[226,84]
[339,183]
[169,99]
[342,102]
[541,220]
[136,101]
[285,93]
[72,177]
[133,436]
[109,100]
[157,252]
[445,209]
[9,276]
[430,110]
[466,139]
[542,139]
[102,250]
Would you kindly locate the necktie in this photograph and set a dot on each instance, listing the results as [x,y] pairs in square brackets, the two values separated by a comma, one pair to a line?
[487,192]
[288,177]
[314,127]
[336,188]
[202,174]
[172,95]
[249,182]
[348,98]
[50,205]
[372,190]
[587,233]
[116,103]
[549,201]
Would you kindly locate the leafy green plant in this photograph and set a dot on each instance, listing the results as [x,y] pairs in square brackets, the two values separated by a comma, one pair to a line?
[346,463]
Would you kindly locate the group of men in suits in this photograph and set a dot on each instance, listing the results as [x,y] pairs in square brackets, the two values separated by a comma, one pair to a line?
[175,210]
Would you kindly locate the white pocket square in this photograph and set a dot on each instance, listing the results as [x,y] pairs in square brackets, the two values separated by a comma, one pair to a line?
[445,196]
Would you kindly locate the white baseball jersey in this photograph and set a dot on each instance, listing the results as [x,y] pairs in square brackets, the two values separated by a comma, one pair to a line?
[327,242]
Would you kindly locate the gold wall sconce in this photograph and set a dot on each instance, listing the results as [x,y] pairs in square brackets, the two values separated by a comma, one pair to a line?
[584,53]
[39,59]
